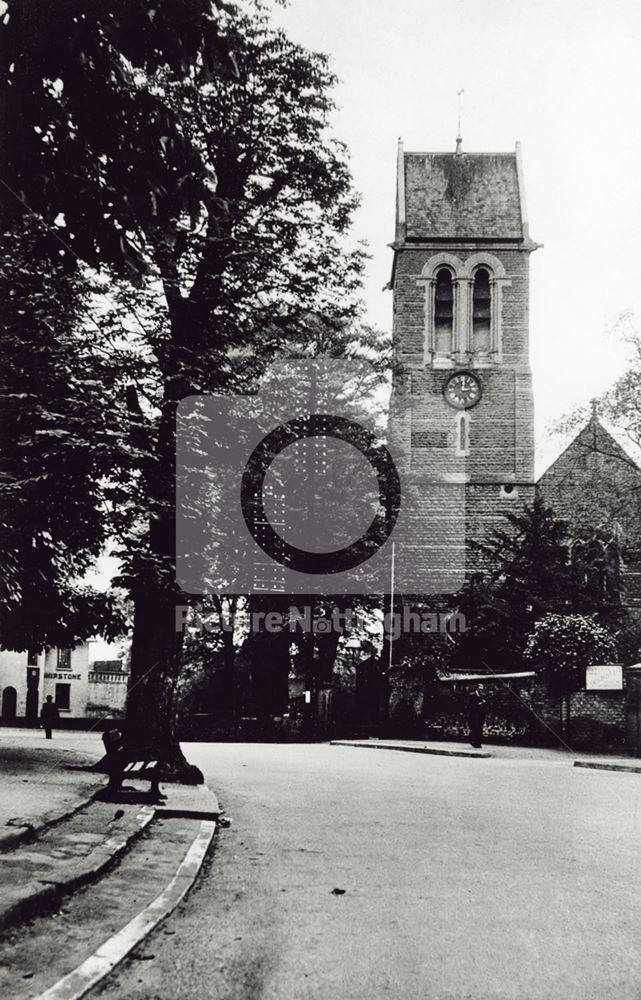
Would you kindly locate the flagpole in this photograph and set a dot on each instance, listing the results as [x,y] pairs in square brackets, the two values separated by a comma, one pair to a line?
[391,608]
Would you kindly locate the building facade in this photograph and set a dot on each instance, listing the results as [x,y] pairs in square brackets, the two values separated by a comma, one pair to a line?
[81,687]
[461,340]
[594,486]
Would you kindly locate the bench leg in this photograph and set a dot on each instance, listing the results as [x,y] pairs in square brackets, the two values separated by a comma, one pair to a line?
[115,781]
[155,793]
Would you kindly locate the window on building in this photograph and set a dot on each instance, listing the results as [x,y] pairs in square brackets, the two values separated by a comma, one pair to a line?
[613,571]
[597,567]
[462,434]
[481,312]
[64,659]
[32,658]
[443,312]
[63,695]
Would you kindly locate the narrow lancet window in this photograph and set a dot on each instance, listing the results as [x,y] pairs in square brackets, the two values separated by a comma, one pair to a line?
[462,434]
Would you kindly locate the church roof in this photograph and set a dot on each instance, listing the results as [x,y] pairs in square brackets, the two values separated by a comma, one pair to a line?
[593,439]
[594,486]
[445,196]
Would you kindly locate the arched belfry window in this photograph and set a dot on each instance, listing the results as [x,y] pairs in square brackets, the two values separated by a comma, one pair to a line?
[443,311]
[481,312]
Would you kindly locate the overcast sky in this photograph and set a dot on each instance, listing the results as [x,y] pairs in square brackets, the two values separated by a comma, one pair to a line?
[564,78]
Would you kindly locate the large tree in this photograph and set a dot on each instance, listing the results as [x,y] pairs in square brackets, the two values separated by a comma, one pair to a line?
[83,142]
[185,151]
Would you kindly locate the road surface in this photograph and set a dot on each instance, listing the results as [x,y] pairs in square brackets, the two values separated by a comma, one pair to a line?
[502,878]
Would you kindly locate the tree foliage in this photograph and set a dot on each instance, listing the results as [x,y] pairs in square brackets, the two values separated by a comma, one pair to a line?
[621,404]
[562,646]
[58,442]
[529,576]
[182,151]
[85,133]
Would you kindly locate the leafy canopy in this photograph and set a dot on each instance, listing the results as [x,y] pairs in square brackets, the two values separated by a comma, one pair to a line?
[528,576]
[564,645]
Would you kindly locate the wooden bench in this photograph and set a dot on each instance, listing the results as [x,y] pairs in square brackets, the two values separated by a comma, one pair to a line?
[125,760]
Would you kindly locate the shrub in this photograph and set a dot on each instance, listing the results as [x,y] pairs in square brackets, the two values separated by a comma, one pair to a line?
[562,646]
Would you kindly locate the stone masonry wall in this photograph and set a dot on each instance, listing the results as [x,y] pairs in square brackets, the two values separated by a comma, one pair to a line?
[497,476]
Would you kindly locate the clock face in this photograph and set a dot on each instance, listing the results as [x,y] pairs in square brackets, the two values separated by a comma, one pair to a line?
[463,390]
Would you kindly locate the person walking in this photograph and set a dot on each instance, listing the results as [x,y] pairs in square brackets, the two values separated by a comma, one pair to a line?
[476,709]
[49,716]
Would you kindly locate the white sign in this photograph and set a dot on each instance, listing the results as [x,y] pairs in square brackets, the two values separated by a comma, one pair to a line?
[604,677]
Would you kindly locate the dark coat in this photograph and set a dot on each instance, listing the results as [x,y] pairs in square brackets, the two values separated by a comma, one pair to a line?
[49,713]
[476,707]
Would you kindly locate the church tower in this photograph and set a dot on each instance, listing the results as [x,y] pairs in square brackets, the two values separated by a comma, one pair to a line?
[461,339]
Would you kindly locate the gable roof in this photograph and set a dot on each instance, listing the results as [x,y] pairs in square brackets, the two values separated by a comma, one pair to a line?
[593,439]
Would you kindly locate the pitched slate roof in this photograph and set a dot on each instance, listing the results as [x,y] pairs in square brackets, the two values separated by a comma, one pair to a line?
[595,485]
[596,442]
[461,195]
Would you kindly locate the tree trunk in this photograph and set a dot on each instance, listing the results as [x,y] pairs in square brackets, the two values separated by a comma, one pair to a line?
[229,696]
[155,665]
[157,641]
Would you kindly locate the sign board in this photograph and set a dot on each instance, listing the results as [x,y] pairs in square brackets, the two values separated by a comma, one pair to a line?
[604,677]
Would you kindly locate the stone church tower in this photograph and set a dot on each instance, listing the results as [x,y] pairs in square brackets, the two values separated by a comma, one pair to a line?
[461,338]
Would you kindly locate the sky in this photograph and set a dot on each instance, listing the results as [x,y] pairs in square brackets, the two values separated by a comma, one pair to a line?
[564,78]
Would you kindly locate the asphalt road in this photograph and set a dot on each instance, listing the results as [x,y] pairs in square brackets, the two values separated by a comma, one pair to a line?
[500,878]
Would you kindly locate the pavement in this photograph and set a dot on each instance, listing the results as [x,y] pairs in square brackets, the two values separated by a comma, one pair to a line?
[42,780]
[415,746]
[559,754]
[62,953]
[68,854]
[361,875]
[60,832]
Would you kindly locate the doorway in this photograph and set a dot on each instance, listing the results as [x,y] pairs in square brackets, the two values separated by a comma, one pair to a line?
[9,704]
[33,697]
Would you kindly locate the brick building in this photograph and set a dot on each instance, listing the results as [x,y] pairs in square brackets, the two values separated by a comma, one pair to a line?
[595,486]
[461,407]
